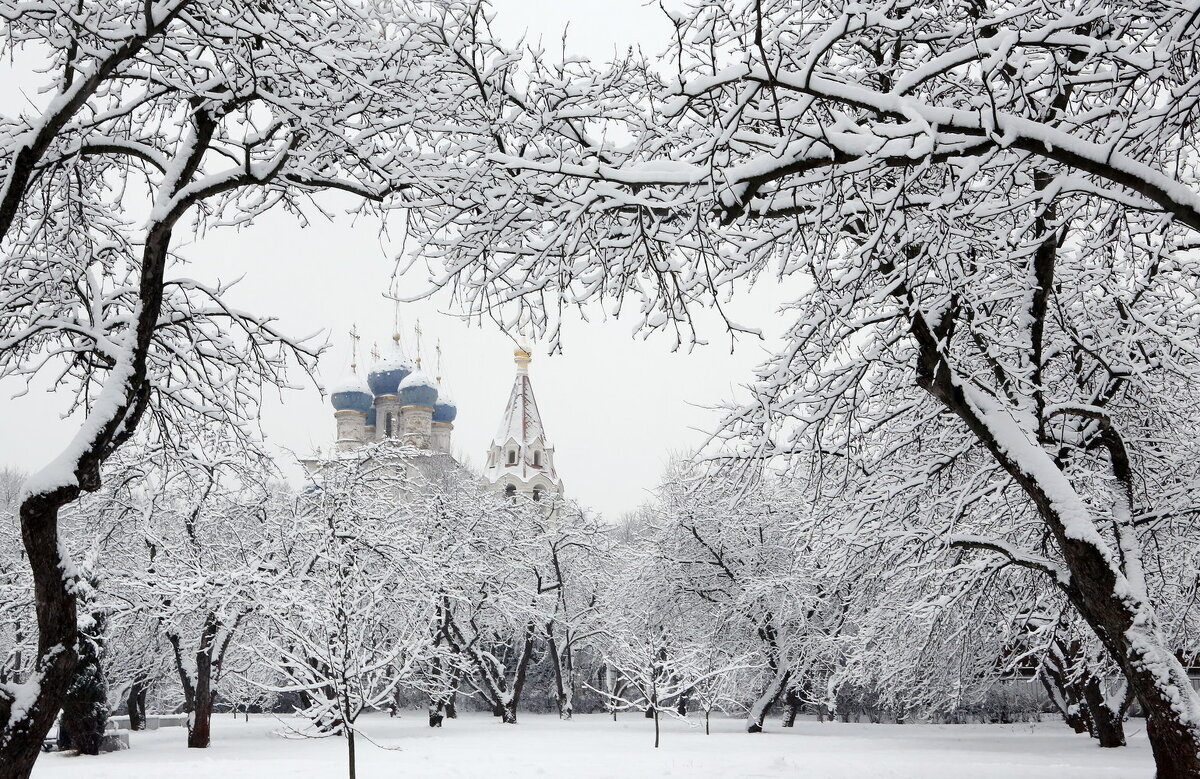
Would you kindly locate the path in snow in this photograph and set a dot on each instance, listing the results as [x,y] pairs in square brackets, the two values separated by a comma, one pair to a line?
[594,746]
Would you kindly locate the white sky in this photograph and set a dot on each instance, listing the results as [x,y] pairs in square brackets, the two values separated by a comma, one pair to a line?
[614,407]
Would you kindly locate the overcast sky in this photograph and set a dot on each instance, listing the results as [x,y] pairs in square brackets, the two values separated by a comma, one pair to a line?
[615,407]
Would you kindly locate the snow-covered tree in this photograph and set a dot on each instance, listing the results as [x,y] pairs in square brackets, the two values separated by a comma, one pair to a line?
[156,118]
[347,609]
[659,645]
[988,216]
[491,618]
[185,537]
[16,590]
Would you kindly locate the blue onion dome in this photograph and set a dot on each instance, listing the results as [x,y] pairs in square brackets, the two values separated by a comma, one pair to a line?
[444,410]
[418,389]
[371,417]
[351,394]
[387,374]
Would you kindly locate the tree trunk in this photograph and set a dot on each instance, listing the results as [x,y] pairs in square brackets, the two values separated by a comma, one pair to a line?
[350,751]
[791,702]
[54,603]
[1063,699]
[509,710]
[200,718]
[561,663]
[1106,725]
[135,703]
[198,694]
[656,730]
[200,721]
[759,709]
[441,707]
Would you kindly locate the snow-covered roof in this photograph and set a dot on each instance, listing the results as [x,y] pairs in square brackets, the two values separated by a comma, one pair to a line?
[521,422]
[393,360]
[351,382]
[417,378]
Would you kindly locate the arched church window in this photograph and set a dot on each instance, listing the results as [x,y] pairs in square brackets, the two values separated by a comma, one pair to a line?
[537,459]
[537,493]
[512,456]
[388,426]
[510,490]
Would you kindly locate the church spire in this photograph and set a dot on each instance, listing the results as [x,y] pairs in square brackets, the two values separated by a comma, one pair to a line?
[521,459]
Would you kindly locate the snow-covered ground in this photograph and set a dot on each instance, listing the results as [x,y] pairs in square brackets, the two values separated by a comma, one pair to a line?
[476,745]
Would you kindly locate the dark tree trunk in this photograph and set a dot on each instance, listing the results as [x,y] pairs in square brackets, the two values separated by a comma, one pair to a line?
[437,707]
[135,703]
[198,692]
[200,720]
[791,702]
[1106,725]
[441,702]
[54,602]
[350,751]
[1062,696]
[509,709]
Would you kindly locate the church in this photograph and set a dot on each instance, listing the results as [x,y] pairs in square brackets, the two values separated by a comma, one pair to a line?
[400,402]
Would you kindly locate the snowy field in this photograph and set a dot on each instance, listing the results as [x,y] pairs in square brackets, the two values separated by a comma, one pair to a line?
[594,746]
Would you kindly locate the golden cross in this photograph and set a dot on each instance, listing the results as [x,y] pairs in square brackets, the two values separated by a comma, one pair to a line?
[354,348]
[375,352]
[438,349]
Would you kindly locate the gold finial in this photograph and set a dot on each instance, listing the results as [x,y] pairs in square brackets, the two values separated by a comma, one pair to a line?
[375,352]
[438,349]
[354,348]
[522,358]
